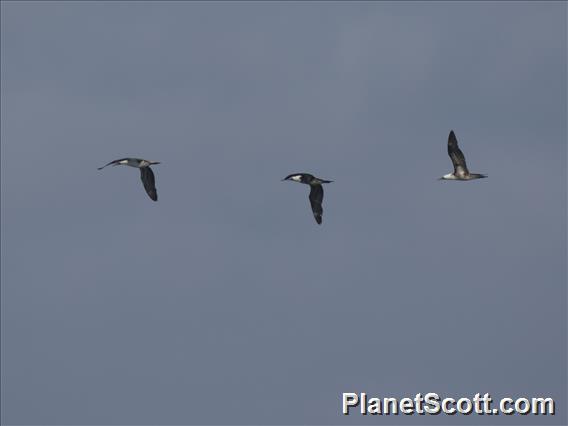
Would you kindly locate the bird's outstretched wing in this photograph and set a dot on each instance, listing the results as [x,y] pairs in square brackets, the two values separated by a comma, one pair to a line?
[316,198]
[456,155]
[147,176]
[112,162]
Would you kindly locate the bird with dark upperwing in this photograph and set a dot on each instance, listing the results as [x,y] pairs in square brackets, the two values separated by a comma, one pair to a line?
[458,160]
[316,191]
[146,173]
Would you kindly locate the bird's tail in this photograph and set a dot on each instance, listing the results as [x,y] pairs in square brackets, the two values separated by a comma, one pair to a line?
[112,162]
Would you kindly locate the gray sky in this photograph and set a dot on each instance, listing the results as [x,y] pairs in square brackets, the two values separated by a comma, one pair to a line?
[224,302]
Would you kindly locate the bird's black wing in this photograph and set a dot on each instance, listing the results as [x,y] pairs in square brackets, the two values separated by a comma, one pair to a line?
[147,176]
[316,198]
[456,155]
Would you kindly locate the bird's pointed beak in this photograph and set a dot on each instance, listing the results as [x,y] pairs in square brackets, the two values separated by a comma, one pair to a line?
[154,162]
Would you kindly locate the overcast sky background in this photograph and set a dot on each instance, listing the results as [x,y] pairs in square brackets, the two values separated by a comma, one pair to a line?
[224,302]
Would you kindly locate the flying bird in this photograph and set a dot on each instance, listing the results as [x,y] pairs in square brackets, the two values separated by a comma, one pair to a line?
[316,191]
[146,173]
[458,160]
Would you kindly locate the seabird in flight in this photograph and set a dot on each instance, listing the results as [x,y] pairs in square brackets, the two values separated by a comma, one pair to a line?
[458,160]
[316,191]
[146,173]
